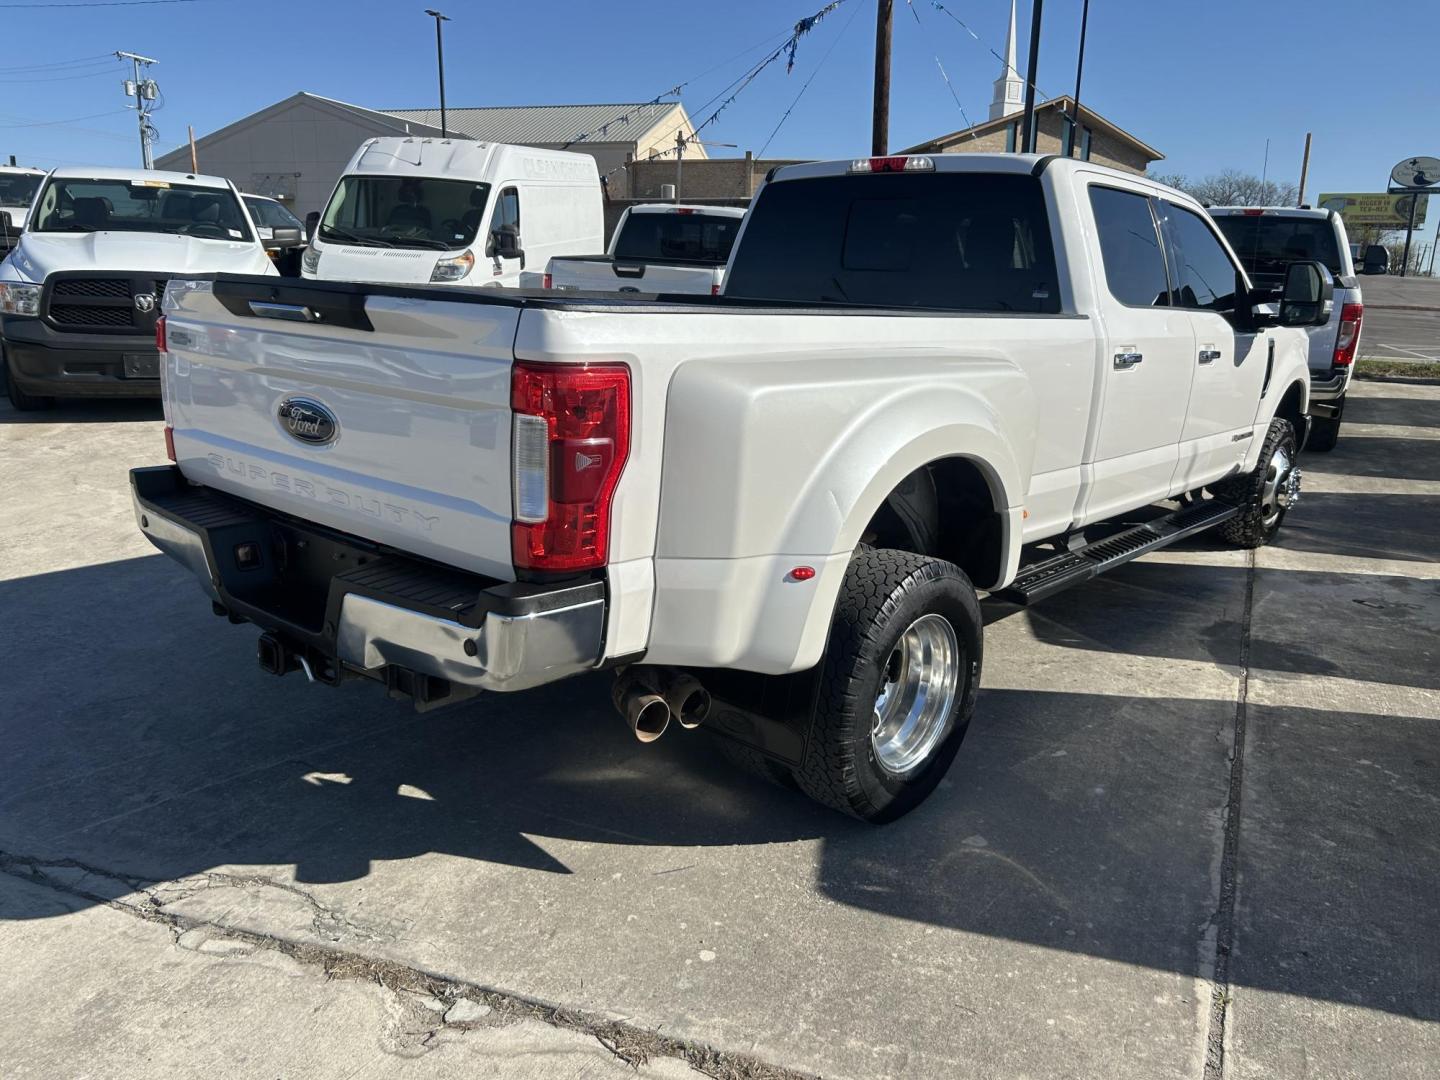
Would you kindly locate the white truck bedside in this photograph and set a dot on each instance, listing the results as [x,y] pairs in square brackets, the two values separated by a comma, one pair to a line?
[769,511]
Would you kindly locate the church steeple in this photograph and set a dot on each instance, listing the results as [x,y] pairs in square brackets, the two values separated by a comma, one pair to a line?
[1009,88]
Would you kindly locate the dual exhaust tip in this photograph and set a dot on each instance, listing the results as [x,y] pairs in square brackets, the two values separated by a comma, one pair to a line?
[649,698]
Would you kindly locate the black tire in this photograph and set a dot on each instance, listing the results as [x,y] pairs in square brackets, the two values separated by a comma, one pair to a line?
[749,760]
[1325,431]
[1256,525]
[19,398]
[884,592]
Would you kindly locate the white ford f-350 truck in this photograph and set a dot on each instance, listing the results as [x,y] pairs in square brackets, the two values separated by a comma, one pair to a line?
[770,510]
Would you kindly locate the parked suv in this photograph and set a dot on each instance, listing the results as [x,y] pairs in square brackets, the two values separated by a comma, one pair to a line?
[1269,239]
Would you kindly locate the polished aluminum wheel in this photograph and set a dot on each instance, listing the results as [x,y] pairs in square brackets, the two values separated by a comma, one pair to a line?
[917,695]
[1281,489]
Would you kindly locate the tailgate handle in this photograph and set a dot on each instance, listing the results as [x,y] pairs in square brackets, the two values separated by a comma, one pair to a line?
[631,270]
[289,312]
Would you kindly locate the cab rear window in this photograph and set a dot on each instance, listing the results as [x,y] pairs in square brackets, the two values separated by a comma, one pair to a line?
[940,241]
[1267,243]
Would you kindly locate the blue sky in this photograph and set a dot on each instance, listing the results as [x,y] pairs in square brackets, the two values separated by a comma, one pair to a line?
[1205,84]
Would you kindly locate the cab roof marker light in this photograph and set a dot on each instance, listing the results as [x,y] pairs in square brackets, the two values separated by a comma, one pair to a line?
[892,164]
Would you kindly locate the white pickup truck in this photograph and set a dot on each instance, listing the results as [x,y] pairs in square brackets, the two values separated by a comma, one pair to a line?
[657,248]
[80,293]
[17,191]
[769,511]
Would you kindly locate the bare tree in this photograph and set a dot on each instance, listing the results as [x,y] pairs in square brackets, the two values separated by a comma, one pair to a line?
[1233,188]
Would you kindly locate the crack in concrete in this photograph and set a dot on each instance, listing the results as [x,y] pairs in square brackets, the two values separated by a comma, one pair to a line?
[628,1042]
[1222,922]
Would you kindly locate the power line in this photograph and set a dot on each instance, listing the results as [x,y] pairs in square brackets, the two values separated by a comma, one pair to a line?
[100,4]
[102,73]
[786,115]
[986,45]
[948,84]
[72,120]
[79,61]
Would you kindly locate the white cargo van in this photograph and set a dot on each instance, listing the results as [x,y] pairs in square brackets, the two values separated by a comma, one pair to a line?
[443,211]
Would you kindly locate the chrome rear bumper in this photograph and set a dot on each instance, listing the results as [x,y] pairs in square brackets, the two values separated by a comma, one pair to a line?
[335,596]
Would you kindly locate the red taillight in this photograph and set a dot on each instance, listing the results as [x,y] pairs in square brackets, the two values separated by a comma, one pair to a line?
[683,210]
[547,282]
[1348,340]
[571,438]
[1252,213]
[169,442]
[160,333]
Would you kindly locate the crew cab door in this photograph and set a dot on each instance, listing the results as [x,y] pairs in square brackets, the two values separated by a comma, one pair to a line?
[1230,363]
[1146,361]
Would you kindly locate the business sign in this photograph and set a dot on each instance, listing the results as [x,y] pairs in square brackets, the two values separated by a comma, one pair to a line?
[1386,211]
[1416,172]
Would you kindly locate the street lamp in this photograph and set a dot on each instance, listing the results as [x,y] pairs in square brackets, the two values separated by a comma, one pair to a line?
[440,63]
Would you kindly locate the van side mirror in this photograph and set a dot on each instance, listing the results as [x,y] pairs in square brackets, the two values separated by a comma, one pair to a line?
[284,237]
[1308,295]
[505,242]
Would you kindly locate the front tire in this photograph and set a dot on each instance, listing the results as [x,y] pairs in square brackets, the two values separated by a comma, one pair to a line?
[1264,495]
[1325,430]
[897,685]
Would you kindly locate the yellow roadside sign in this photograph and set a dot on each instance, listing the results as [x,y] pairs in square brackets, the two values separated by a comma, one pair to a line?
[1377,208]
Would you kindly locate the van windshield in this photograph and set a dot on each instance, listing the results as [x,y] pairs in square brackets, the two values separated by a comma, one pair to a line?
[677,236]
[17,189]
[404,212]
[70,204]
[1268,243]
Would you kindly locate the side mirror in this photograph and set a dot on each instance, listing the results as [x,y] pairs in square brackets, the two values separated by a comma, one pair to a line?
[505,242]
[285,237]
[1308,296]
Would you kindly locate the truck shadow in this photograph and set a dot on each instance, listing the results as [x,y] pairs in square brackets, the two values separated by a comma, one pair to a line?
[1079,822]
[1400,411]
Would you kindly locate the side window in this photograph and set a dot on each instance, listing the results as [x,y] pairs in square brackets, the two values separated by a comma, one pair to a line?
[1130,247]
[507,210]
[1203,271]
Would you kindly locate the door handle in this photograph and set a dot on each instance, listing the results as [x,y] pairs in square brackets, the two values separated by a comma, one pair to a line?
[1209,355]
[1127,359]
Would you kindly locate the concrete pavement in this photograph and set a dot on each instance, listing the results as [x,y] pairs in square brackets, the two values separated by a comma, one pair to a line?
[1102,887]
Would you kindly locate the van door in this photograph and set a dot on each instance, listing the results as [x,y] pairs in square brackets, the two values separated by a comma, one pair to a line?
[1230,364]
[503,243]
[1146,360]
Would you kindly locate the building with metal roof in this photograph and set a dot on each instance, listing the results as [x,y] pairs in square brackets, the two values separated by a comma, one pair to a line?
[295,149]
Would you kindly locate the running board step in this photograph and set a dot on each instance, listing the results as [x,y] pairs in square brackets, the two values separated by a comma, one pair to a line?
[1039,580]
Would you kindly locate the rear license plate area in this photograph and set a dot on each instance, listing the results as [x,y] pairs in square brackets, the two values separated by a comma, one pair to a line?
[141,365]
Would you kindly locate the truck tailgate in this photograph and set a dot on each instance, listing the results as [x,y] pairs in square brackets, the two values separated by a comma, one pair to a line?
[603,274]
[344,405]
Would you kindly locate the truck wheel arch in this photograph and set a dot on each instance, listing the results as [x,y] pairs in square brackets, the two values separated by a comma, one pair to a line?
[946,509]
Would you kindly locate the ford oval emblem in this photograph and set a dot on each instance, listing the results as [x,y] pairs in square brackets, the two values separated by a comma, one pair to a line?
[307,420]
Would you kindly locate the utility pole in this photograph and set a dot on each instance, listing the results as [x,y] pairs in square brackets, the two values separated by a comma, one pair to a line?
[884,25]
[1304,170]
[1079,70]
[1027,128]
[142,90]
[440,63]
[1409,235]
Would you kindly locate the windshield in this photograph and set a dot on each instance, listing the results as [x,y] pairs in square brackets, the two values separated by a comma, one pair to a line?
[17,189]
[1267,244]
[947,241]
[271,214]
[404,212]
[156,206]
[677,236]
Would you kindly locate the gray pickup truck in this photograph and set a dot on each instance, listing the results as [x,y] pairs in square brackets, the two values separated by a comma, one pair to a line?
[1267,240]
